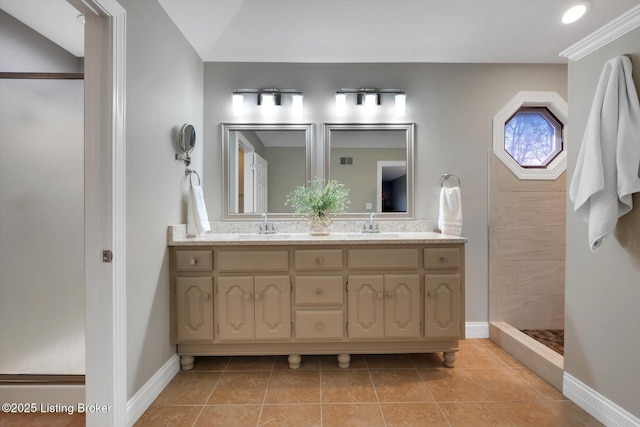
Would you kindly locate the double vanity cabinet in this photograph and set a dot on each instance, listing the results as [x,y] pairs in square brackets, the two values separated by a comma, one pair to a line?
[298,295]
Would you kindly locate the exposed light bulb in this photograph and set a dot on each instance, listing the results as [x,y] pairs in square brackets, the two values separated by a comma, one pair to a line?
[341,104]
[268,102]
[237,104]
[576,12]
[401,104]
[297,105]
[370,103]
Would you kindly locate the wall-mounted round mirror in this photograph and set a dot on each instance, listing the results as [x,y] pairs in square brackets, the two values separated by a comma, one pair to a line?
[187,138]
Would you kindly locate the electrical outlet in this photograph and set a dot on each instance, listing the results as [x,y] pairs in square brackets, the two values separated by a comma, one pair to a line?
[368,205]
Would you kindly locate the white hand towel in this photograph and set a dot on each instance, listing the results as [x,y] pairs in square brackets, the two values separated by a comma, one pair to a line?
[450,214]
[197,219]
[606,173]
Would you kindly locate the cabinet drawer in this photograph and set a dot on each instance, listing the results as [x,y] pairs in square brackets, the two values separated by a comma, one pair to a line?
[319,259]
[442,258]
[379,259]
[319,324]
[319,290]
[194,260]
[241,261]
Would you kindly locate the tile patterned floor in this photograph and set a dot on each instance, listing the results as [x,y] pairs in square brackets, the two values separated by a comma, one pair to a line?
[552,338]
[486,388]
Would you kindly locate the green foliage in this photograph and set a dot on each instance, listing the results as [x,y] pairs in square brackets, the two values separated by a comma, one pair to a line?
[317,199]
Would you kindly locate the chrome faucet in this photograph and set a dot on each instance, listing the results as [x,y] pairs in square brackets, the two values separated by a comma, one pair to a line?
[265,227]
[372,228]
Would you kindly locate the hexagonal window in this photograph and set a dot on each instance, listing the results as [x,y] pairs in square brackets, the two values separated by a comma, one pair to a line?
[533,137]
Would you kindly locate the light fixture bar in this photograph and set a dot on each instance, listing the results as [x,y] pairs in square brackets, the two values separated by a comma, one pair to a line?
[268,99]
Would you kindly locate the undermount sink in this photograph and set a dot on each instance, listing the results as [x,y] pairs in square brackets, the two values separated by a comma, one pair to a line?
[372,235]
[257,236]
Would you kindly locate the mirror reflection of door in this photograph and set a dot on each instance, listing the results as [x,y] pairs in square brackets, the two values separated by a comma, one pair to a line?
[256,173]
[392,186]
[248,188]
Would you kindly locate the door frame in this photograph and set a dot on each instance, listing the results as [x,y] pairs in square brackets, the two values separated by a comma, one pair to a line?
[104,176]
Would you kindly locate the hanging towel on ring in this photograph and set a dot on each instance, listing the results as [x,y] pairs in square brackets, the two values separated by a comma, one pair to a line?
[450,213]
[197,219]
[606,173]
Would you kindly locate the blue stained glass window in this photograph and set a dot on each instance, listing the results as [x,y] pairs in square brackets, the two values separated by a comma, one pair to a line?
[533,137]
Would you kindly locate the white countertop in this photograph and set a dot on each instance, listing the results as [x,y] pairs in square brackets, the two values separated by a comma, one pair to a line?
[253,239]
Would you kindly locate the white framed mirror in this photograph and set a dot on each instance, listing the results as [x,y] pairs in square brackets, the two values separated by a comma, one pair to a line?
[375,161]
[262,164]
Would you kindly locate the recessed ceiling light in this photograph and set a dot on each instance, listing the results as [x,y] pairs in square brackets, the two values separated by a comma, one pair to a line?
[576,12]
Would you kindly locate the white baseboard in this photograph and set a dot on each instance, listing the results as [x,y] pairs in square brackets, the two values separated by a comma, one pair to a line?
[138,404]
[476,330]
[596,404]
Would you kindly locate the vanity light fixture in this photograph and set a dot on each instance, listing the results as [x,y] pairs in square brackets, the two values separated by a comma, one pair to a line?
[370,98]
[576,12]
[268,100]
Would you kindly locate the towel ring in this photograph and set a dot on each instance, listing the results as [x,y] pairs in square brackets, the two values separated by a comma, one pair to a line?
[446,176]
[190,173]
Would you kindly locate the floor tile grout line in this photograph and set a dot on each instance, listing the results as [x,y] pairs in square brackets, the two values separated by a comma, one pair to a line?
[375,391]
[266,391]
[206,400]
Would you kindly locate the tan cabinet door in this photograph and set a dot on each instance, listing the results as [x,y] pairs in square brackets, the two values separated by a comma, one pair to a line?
[402,305]
[235,308]
[194,309]
[442,305]
[366,306]
[273,307]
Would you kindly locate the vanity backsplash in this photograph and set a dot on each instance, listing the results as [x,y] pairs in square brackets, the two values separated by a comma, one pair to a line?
[288,226]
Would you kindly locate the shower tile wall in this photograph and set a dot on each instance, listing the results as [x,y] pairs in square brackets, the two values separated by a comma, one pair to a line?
[527,259]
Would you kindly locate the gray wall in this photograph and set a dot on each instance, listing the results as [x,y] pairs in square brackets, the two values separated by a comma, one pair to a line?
[602,288]
[164,91]
[41,208]
[452,104]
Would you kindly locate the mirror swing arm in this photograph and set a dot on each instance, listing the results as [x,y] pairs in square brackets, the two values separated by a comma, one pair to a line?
[186,142]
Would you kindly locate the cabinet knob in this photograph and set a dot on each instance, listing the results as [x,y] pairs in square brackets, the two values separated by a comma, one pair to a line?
[320,326]
[379,295]
[390,294]
[248,296]
[193,261]
[319,260]
[444,259]
[258,296]
[431,294]
[319,291]
[206,297]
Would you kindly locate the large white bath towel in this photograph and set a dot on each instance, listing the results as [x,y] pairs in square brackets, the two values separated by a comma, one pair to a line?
[450,214]
[197,219]
[606,173]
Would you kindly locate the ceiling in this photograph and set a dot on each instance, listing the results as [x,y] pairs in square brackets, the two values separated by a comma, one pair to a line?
[521,31]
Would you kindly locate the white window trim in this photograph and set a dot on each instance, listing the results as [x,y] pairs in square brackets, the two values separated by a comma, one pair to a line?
[554,103]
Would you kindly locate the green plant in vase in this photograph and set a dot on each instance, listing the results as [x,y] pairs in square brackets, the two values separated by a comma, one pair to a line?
[318,201]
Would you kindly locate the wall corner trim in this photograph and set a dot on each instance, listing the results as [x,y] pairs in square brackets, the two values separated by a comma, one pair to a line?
[626,22]
[596,404]
[476,329]
[138,404]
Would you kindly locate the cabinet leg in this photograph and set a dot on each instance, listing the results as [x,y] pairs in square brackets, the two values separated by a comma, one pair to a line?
[449,359]
[294,361]
[187,362]
[344,360]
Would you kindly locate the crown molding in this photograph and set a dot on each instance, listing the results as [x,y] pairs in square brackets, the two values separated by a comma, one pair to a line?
[626,22]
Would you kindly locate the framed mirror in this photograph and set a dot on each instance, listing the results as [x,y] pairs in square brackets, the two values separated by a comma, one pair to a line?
[262,164]
[375,161]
